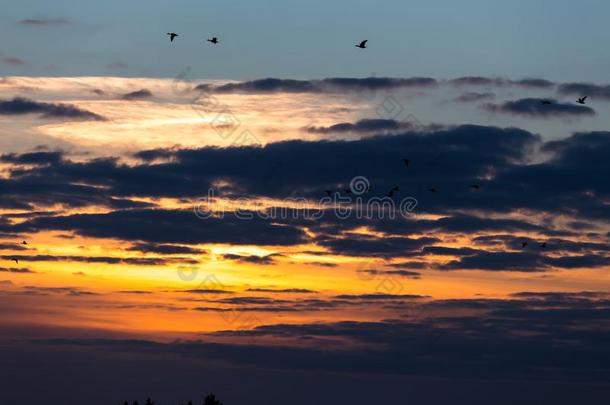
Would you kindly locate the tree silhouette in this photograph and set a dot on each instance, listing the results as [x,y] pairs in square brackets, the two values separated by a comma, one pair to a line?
[211,400]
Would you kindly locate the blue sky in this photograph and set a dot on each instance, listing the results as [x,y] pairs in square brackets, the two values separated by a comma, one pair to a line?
[555,39]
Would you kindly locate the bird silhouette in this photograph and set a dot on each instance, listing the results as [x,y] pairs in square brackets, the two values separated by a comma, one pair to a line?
[24,243]
[172,35]
[582,100]
[392,191]
[347,191]
[475,186]
[546,102]
[214,40]
[16,260]
[362,45]
[543,245]
[524,244]
[328,193]
[407,162]
[433,190]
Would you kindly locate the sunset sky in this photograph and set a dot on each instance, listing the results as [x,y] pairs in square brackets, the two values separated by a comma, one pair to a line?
[283,211]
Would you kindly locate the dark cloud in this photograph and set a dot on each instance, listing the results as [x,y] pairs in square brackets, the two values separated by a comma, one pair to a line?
[560,295]
[273,309]
[12,246]
[70,291]
[576,262]
[499,261]
[140,261]
[448,251]
[451,159]
[135,292]
[172,227]
[473,97]
[263,86]
[271,85]
[137,95]
[13,61]
[120,65]
[165,249]
[251,301]
[364,126]
[321,264]
[284,290]
[252,259]
[379,297]
[478,81]
[585,89]
[531,338]
[524,262]
[20,106]
[206,291]
[500,82]
[360,245]
[460,155]
[33,158]
[44,22]
[532,107]
[14,269]
[393,273]
[534,83]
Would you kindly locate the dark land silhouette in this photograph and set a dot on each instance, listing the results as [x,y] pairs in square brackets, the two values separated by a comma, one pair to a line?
[208,400]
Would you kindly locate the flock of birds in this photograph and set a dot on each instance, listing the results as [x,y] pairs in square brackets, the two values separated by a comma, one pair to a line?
[173,35]
[396,188]
[407,162]
[214,40]
[362,45]
[15,259]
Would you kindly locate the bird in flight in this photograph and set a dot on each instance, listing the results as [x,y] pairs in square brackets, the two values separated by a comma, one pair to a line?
[16,261]
[524,244]
[546,102]
[328,193]
[433,190]
[172,35]
[392,191]
[475,186]
[543,245]
[214,40]
[348,191]
[24,243]
[362,45]
[407,162]
[582,100]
